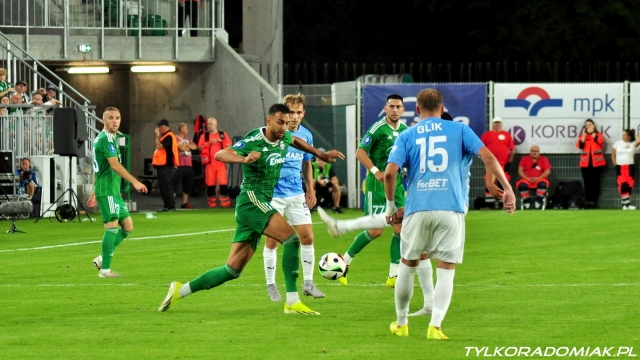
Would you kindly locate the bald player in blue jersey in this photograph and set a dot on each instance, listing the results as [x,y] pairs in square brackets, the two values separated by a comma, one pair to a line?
[290,200]
[438,155]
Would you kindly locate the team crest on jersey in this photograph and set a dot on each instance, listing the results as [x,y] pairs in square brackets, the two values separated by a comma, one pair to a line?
[366,140]
[112,148]
[238,145]
[281,145]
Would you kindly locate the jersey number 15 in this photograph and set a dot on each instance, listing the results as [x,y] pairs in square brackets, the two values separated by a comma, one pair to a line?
[433,151]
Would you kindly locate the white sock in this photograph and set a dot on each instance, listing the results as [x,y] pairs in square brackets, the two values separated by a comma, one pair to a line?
[363,223]
[441,295]
[404,292]
[393,270]
[307,256]
[292,298]
[347,258]
[425,277]
[185,290]
[270,258]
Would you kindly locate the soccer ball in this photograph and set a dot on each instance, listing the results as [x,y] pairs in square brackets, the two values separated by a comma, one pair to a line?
[332,266]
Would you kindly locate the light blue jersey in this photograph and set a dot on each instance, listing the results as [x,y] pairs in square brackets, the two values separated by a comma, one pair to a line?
[290,182]
[438,155]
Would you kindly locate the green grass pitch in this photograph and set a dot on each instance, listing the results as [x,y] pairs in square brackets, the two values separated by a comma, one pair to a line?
[535,279]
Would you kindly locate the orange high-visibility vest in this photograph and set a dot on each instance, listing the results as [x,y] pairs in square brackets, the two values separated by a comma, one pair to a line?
[160,155]
[592,148]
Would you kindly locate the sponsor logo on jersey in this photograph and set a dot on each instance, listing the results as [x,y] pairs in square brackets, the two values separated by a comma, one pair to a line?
[239,145]
[112,148]
[432,184]
[275,159]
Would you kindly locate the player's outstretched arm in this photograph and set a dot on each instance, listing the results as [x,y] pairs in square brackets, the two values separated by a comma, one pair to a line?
[493,167]
[120,170]
[390,176]
[229,155]
[329,156]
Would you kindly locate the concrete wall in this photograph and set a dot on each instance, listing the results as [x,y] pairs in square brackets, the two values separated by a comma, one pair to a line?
[262,34]
[228,89]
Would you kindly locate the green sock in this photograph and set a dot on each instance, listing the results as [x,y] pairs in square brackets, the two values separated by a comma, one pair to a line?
[213,278]
[108,239]
[121,235]
[394,249]
[363,239]
[291,262]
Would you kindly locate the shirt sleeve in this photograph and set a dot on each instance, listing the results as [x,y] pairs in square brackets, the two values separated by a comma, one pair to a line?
[307,156]
[106,148]
[367,141]
[241,148]
[398,154]
[510,145]
[522,162]
[226,142]
[546,163]
[332,172]
[470,141]
[201,140]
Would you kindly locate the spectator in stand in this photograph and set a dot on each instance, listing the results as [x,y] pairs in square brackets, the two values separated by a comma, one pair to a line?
[5,87]
[28,181]
[592,161]
[326,185]
[500,143]
[37,109]
[189,8]
[165,159]
[184,174]
[622,154]
[16,99]
[21,88]
[215,172]
[52,94]
[4,100]
[534,170]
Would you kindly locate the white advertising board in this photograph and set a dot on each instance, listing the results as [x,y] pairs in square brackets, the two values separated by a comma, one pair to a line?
[552,115]
[634,107]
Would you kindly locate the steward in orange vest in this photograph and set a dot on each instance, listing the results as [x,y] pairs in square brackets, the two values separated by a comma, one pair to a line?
[592,162]
[165,159]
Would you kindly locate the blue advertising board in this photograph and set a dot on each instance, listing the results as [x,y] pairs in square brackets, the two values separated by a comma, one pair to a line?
[466,103]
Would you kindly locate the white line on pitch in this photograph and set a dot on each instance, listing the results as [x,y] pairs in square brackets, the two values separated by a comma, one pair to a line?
[335,284]
[128,239]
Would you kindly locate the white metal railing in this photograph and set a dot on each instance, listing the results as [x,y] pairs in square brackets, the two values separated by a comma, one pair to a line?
[21,66]
[135,18]
[27,134]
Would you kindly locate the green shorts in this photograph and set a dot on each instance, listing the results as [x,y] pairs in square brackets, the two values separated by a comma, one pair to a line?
[375,200]
[252,215]
[112,208]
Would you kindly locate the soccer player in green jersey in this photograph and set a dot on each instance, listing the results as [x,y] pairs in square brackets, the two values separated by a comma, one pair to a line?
[107,174]
[262,153]
[372,153]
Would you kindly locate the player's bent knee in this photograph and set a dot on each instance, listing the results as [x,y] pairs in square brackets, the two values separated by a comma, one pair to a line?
[270,243]
[306,240]
[375,233]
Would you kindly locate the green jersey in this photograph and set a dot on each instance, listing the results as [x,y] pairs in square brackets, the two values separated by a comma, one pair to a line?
[377,142]
[107,181]
[262,175]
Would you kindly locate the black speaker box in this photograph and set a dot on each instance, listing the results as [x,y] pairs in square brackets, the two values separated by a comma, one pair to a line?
[69,132]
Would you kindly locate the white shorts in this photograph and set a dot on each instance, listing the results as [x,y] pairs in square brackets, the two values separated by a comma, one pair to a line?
[294,208]
[438,233]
